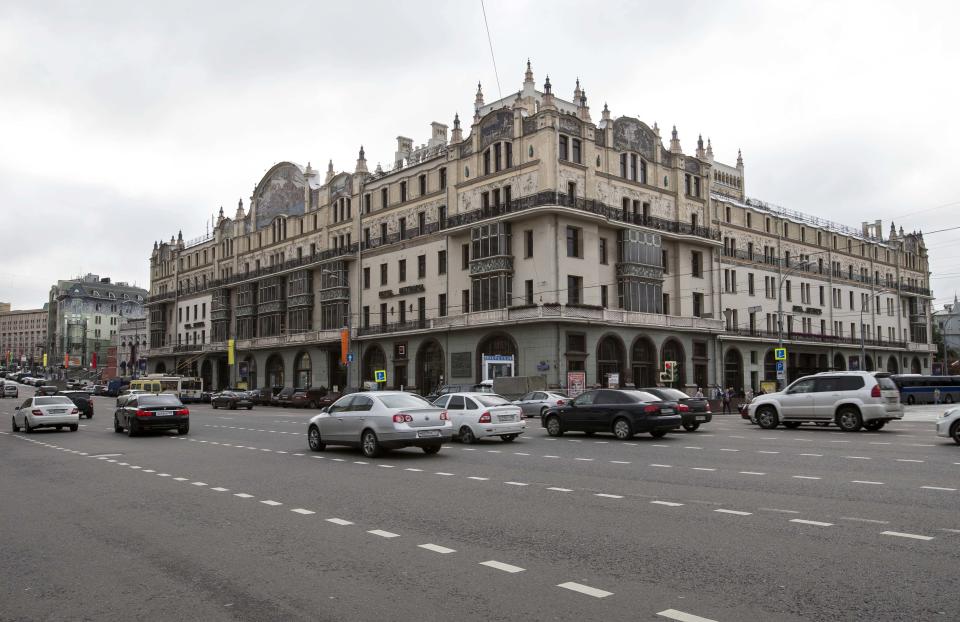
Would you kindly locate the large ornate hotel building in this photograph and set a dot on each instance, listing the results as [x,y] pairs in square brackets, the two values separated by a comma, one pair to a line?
[535,242]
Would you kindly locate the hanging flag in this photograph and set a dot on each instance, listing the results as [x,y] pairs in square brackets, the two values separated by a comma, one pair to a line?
[93,362]
[230,354]
[344,345]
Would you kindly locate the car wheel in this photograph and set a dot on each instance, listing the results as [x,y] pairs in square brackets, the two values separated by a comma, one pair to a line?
[509,438]
[793,425]
[948,399]
[431,449]
[74,427]
[213,405]
[26,425]
[369,444]
[691,427]
[553,426]
[767,418]
[874,425]
[849,419]
[467,436]
[658,433]
[116,425]
[622,429]
[250,407]
[911,400]
[132,428]
[313,439]
[184,429]
[13,421]
[543,411]
[233,405]
[312,405]
[955,432]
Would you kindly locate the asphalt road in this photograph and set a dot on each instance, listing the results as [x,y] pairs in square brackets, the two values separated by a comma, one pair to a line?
[239,520]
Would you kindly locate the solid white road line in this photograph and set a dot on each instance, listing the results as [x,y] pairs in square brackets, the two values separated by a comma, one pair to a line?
[585,589]
[938,488]
[669,504]
[242,495]
[339,521]
[384,534]
[436,548]
[682,616]
[501,566]
[899,534]
[271,502]
[302,511]
[735,512]
[810,522]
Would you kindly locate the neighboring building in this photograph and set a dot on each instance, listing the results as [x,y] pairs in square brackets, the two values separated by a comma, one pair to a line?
[23,336]
[4,307]
[540,244]
[132,346]
[84,316]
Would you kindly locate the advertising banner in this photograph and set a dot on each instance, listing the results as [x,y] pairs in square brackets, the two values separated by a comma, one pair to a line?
[576,383]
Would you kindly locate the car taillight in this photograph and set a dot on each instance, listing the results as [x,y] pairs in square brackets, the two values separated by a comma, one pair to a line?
[36,412]
[183,412]
[402,418]
[143,413]
[74,411]
[650,408]
[683,408]
[559,402]
[485,418]
[444,416]
[875,391]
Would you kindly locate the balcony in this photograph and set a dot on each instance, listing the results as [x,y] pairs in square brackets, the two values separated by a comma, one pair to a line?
[548,312]
[307,337]
[487,265]
[813,337]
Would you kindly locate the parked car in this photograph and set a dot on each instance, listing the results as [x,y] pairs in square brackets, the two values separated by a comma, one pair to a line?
[206,397]
[146,411]
[622,412]
[264,396]
[851,399]
[949,425]
[47,389]
[10,390]
[535,403]
[460,388]
[283,397]
[99,389]
[314,397]
[81,400]
[479,415]
[697,411]
[54,411]
[379,420]
[39,382]
[231,400]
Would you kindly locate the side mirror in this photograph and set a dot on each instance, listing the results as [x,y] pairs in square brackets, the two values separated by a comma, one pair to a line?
[325,410]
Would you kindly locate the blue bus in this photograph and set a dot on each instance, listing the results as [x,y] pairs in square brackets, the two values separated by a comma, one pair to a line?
[919,389]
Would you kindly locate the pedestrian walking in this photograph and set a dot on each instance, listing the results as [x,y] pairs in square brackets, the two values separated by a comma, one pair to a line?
[936,396]
[698,394]
[726,401]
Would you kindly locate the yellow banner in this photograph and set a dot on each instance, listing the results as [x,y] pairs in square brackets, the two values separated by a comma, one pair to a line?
[229,351]
[44,359]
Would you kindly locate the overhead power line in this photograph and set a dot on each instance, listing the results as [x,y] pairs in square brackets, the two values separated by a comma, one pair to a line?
[490,42]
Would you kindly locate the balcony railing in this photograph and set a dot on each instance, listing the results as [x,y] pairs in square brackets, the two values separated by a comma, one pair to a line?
[817,337]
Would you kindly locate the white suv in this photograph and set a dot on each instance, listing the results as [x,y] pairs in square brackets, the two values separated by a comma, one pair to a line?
[851,399]
[949,424]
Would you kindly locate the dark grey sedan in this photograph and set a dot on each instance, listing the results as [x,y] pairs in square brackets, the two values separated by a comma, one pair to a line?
[697,409]
[232,400]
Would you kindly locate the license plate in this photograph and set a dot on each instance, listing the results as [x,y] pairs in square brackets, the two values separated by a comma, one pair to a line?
[666,411]
[57,411]
[428,433]
[163,413]
[701,418]
[504,418]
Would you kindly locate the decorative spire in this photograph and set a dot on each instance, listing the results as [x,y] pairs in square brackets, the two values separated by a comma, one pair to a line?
[330,172]
[547,87]
[700,152]
[240,214]
[577,93]
[583,110]
[221,211]
[379,169]
[478,101]
[675,141]
[547,103]
[739,159]
[709,149]
[361,162]
[528,76]
[362,155]
[457,135]
[180,235]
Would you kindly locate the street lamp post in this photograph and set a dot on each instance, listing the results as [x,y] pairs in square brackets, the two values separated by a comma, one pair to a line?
[863,345]
[783,275]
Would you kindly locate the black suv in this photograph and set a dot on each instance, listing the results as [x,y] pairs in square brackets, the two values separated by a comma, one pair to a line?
[81,400]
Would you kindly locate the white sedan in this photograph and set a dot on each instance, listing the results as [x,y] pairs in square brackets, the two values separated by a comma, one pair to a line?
[55,411]
[949,425]
[477,415]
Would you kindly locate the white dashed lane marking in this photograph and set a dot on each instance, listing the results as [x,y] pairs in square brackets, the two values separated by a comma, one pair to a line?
[560,489]
[816,523]
[501,566]
[939,488]
[339,521]
[860,481]
[805,477]
[608,496]
[383,534]
[271,502]
[220,489]
[436,548]
[912,536]
[682,616]
[585,589]
[302,511]
[734,512]
[243,495]
[669,504]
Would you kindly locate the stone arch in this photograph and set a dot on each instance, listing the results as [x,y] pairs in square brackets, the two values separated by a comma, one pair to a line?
[610,358]
[274,371]
[732,368]
[302,370]
[838,363]
[499,343]
[672,350]
[374,358]
[431,364]
[915,366]
[868,362]
[892,366]
[160,368]
[643,360]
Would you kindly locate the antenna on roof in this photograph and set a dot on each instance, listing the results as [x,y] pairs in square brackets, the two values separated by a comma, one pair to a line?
[490,42]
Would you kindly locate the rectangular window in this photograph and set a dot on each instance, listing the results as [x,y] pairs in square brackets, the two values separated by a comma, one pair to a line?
[443,178]
[574,290]
[403,191]
[402,271]
[575,144]
[383,274]
[603,251]
[528,291]
[697,304]
[696,264]
[603,296]
[384,198]
[497,157]
[563,147]
[383,314]
[509,151]
[623,167]
[633,166]
[750,285]
[366,278]
[423,184]
[403,227]
[421,266]
[573,242]
[366,317]
[664,263]
[465,301]
[528,243]
[421,223]
[442,305]
[465,256]
[441,262]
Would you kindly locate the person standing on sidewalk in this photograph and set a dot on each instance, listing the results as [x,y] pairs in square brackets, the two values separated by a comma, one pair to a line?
[726,401]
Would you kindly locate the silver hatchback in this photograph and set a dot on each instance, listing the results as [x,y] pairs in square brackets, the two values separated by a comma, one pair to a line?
[379,420]
[535,403]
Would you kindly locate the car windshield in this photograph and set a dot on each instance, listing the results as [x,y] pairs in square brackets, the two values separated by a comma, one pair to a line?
[398,400]
[491,400]
[159,400]
[886,383]
[674,394]
[641,396]
[562,396]
[50,401]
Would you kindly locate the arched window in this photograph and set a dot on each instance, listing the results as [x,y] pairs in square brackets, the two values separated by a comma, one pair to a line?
[610,360]
[643,359]
[303,371]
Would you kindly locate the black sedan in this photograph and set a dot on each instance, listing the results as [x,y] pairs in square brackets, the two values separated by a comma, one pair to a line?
[232,400]
[81,400]
[697,409]
[152,412]
[620,412]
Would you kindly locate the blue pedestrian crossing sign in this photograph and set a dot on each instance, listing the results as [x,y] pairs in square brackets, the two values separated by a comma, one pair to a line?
[380,375]
[780,354]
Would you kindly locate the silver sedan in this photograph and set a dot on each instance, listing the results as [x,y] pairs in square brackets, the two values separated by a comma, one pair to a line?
[535,403]
[379,420]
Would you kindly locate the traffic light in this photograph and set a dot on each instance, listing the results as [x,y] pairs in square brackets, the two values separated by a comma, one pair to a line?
[669,371]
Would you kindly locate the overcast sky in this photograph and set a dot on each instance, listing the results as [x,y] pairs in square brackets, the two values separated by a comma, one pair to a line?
[124,122]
